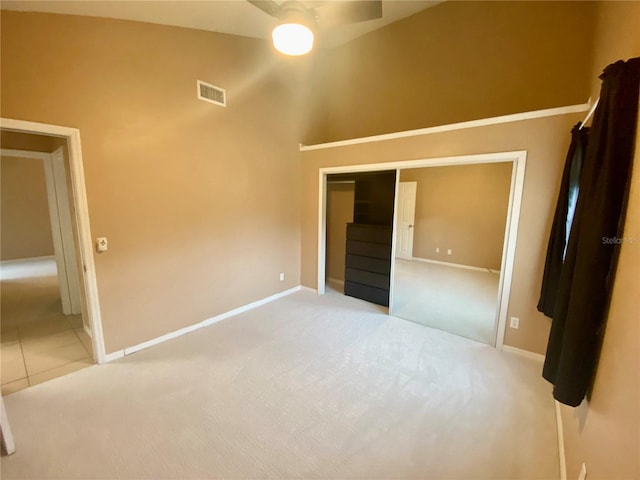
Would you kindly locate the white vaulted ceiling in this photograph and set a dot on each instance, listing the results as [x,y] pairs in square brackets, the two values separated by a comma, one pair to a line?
[236,17]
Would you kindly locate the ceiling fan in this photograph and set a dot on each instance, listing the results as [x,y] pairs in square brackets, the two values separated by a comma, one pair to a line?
[297,20]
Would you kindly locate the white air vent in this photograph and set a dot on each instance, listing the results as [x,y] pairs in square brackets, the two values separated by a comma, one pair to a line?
[211,93]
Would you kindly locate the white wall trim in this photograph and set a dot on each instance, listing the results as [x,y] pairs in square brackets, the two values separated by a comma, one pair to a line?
[322,231]
[57,236]
[6,435]
[561,454]
[205,323]
[110,357]
[28,259]
[516,117]
[451,264]
[394,240]
[308,289]
[510,244]
[85,246]
[518,158]
[427,162]
[523,353]
[71,276]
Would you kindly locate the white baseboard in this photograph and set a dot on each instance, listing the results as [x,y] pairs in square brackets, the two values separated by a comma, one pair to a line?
[308,289]
[86,329]
[561,454]
[457,265]
[28,259]
[205,323]
[523,353]
[110,357]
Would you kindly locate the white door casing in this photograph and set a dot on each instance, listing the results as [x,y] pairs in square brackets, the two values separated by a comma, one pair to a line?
[56,235]
[6,436]
[85,242]
[406,219]
[71,276]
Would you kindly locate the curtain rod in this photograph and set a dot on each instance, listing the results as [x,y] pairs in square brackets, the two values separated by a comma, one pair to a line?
[593,109]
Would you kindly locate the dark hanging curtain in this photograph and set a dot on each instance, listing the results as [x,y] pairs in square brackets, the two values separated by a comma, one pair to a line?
[586,277]
[563,219]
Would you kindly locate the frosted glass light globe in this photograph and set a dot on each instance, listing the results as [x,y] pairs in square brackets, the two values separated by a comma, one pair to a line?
[292,39]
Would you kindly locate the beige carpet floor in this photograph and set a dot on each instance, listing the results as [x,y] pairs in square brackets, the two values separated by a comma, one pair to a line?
[456,300]
[304,387]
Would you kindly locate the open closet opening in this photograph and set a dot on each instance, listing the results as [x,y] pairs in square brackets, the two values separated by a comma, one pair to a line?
[359,230]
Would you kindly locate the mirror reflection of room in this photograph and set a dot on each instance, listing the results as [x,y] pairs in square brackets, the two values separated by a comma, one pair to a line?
[449,243]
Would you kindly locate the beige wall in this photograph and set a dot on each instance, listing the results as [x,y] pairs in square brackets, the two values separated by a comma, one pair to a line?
[453,62]
[604,433]
[462,208]
[200,203]
[25,224]
[340,200]
[545,139]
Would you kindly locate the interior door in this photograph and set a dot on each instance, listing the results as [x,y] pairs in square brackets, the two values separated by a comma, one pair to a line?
[406,219]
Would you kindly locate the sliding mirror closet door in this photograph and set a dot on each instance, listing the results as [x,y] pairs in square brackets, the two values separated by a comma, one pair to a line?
[450,231]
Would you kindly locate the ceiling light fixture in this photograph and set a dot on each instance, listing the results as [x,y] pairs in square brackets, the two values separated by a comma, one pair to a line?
[294,33]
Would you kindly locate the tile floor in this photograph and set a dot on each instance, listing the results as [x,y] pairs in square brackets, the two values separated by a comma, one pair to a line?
[39,343]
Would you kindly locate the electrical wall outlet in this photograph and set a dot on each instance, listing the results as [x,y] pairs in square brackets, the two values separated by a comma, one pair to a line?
[515,322]
[102,244]
[449,252]
[282,277]
[437,250]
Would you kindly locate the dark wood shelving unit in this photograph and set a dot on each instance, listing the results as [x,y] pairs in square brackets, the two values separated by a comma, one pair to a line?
[368,249]
[368,262]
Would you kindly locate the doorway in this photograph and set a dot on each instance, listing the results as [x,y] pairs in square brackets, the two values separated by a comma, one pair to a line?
[518,161]
[50,317]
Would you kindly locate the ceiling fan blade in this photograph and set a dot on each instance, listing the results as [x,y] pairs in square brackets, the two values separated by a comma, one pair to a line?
[337,13]
[267,6]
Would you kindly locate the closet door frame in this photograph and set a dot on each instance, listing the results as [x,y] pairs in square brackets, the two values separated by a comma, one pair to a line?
[518,158]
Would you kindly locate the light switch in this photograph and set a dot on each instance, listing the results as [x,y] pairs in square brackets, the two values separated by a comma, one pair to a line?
[102,245]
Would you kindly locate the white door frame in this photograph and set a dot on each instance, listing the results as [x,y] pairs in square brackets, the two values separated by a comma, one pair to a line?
[85,246]
[59,181]
[518,158]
